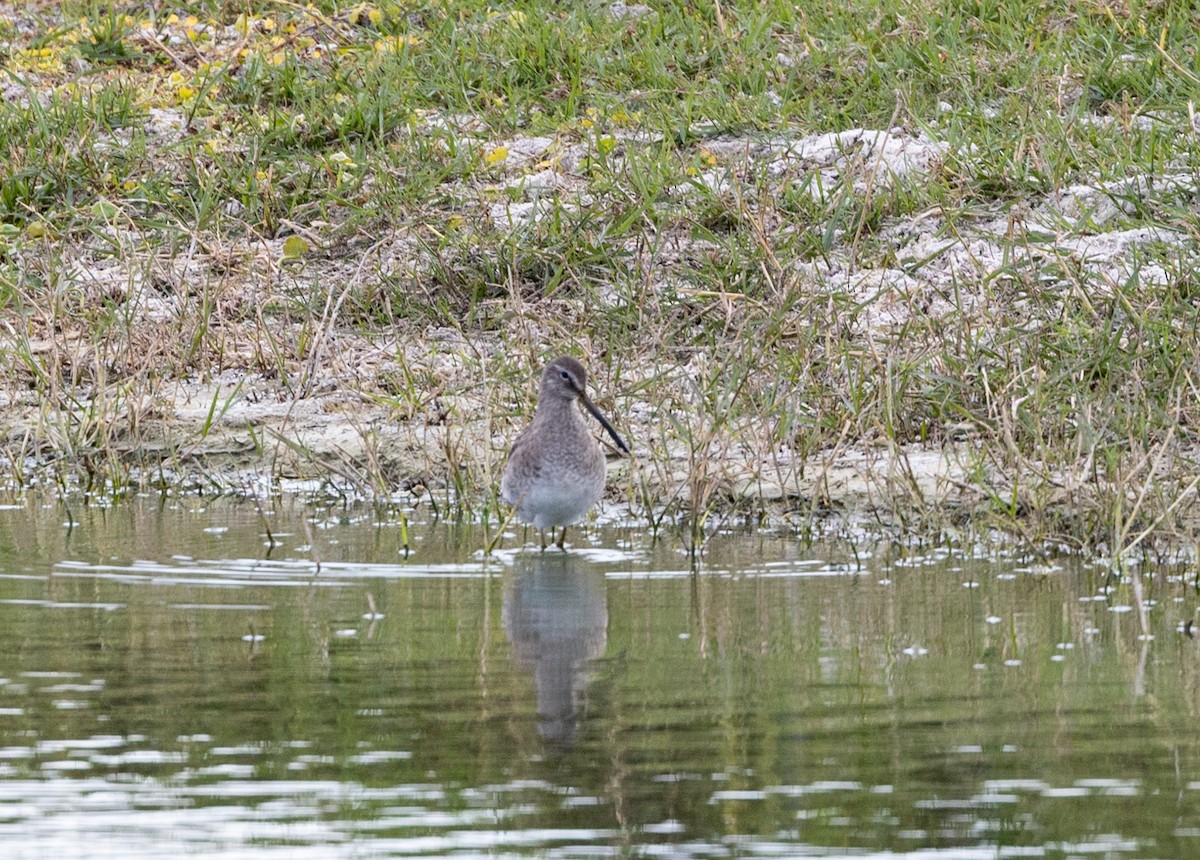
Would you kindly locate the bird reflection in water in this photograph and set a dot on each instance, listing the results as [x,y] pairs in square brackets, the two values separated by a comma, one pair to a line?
[556,617]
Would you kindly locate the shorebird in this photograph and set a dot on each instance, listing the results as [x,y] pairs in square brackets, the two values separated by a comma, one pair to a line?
[555,471]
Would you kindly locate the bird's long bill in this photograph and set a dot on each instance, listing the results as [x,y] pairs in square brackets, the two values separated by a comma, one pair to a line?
[591,407]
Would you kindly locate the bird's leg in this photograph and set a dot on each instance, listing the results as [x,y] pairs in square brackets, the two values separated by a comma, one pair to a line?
[562,535]
[542,535]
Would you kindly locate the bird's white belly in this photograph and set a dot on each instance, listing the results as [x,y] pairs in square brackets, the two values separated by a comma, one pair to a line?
[562,502]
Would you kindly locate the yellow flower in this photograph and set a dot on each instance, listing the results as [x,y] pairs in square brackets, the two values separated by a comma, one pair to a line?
[396,43]
[370,13]
[707,158]
[185,93]
[500,153]
[37,60]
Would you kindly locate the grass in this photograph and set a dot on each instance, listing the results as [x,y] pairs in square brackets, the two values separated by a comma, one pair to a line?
[389,215]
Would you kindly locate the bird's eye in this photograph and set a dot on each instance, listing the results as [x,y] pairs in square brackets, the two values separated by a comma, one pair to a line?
[565,375]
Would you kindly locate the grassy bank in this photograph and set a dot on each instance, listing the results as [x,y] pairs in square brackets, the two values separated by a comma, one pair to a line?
[928,262]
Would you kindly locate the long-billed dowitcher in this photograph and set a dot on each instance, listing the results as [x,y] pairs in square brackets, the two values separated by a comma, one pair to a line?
[555,472]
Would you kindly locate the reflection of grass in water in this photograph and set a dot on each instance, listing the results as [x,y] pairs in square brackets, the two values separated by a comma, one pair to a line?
[799,689]
[313,199]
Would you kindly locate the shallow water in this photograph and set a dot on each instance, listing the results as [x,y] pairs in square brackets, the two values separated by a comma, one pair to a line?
[170,683]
